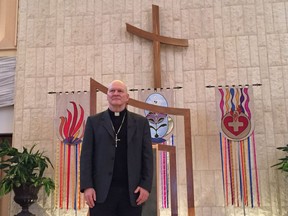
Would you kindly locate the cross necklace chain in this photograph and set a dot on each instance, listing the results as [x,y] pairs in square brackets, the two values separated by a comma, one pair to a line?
[116,133]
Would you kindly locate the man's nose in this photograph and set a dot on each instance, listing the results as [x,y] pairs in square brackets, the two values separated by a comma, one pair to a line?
[116,92]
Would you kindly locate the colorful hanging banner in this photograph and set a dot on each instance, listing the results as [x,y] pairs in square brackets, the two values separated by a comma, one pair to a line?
[71,114]
[237,145]
[161,128]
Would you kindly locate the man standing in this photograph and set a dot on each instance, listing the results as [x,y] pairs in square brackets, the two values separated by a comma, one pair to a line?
[116,167]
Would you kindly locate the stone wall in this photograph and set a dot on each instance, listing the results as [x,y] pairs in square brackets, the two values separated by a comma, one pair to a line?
[61,44]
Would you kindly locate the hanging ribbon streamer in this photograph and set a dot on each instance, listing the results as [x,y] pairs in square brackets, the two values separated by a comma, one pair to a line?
[164,179]
[238,152]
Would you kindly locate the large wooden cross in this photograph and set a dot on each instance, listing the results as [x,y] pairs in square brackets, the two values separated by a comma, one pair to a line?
[157,39]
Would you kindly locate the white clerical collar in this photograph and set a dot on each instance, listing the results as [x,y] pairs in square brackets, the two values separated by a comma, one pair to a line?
[112,113]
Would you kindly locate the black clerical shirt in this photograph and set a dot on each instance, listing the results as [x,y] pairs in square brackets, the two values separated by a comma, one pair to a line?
[120,171]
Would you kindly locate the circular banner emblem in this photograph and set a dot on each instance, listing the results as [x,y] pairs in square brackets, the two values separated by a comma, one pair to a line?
[160,123]
[235,125]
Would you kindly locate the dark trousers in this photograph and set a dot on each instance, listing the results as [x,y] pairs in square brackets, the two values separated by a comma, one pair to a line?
[117,203]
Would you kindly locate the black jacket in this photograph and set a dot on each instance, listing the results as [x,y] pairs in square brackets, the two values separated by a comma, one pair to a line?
[98,154]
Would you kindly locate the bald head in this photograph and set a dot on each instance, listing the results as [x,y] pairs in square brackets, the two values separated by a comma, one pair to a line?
[117,96]
[118,83]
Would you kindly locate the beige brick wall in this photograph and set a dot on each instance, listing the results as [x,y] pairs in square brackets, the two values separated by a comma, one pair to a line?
[61,44]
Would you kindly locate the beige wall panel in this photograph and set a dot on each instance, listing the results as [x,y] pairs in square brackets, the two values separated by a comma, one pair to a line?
[8,24]
[61,44]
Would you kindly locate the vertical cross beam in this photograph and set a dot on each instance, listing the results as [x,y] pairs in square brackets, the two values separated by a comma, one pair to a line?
[156,47]
[157,40]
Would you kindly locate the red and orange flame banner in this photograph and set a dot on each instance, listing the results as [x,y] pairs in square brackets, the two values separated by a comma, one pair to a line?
[71,114]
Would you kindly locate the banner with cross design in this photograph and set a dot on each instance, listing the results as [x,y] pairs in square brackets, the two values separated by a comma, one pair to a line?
[237,144]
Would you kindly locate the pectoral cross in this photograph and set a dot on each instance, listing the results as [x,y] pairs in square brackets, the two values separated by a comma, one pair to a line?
[116,140]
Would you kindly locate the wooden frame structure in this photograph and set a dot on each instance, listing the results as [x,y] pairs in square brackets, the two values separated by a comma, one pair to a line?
[96,86]
[173,175]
